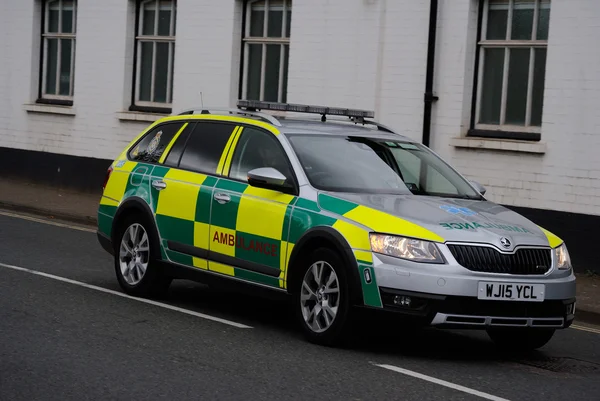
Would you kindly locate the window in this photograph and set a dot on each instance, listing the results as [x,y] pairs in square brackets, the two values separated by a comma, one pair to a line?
[58,51]
[256,149]
[205,147]
[512,64]
[155,54]
[266,50]
[378,166]
[152,146]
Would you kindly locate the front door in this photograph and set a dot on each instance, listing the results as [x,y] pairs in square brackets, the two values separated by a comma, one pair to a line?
[249,225]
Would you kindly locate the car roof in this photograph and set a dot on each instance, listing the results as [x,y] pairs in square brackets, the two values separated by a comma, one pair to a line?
[309,126]
[319,120]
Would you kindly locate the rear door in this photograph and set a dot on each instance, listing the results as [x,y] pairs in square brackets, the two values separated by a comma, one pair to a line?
[183,189]
[249,225]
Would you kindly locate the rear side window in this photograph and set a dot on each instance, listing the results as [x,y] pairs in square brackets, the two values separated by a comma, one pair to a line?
[205,146]
[153,145]
[176,150]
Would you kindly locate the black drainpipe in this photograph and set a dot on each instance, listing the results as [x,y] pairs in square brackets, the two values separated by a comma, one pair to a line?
[429,96]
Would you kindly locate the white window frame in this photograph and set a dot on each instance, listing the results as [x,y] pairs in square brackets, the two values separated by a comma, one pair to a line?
[265,40]
[46,36]
[506,45]
[154,39]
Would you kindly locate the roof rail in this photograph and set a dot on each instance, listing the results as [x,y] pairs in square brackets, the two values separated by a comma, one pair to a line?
[221,110]
[379,126]
[254,105]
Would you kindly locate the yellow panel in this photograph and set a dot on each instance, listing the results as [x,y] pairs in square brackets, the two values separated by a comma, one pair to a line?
[357,237]
[185,176]
[553,240]
[200,263]
[178,200]
[170,145]
[227,165]
[201,233]
[268,194]
[108,201]
[221,268]
[115,188]
[225,153]
[260,217]
[283,263]
[222,240]
[290,248]
[389,224]
[364,256]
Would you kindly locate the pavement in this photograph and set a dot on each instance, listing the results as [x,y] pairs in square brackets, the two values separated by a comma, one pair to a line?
[67,332]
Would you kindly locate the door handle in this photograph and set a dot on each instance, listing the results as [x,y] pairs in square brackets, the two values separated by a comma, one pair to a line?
[222,198]
[159,184]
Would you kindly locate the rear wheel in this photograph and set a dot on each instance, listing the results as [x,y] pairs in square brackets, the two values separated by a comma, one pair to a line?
[322,298]
[136,255]
[520,339]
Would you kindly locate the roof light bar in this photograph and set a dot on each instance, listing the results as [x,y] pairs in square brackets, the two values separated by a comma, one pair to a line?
[304,108]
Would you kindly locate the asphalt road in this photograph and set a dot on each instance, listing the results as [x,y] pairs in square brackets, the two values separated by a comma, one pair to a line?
[60,340]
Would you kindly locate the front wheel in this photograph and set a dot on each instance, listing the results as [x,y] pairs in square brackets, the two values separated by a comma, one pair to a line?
[322,298]
[136,264]
[520,339]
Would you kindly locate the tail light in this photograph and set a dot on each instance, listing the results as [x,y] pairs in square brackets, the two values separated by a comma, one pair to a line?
[108,172]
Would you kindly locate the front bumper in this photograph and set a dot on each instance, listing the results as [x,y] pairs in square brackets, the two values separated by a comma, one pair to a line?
[446,296]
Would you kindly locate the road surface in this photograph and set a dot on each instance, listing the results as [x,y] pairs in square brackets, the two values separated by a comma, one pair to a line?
[67,332]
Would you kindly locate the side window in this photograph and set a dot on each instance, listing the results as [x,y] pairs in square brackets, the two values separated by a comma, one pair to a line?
[176,150]
[152,146]
[257,149]
[205,146]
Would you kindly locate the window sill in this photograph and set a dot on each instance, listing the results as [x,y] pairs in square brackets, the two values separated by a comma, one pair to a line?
[49,109]
[139,116]
[499,144]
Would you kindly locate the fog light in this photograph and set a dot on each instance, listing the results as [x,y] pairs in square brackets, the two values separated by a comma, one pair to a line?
[401,300]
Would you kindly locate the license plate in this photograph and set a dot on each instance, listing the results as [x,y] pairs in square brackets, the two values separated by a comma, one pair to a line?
[511,291]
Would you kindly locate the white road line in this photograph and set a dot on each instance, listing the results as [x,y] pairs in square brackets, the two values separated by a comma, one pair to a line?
[585,328]
[442,382]
[43,221]
[123,295]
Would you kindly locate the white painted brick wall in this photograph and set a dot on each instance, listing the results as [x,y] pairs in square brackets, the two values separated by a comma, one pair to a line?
[352,53]
[206,60]
[567,176]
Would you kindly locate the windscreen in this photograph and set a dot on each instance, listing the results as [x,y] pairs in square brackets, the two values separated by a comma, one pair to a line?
[366,165]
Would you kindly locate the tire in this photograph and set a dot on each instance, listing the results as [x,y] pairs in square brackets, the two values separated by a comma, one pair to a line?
[153,282]
[520,339]
[318,331]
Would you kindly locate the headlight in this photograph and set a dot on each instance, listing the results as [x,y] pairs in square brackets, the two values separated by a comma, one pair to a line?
[563,260]
[406,248]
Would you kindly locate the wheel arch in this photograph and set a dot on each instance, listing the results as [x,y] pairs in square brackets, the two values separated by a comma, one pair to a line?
[325,236]
[136,205]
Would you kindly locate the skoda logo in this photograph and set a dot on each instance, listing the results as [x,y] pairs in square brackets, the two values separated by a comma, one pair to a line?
[505,242]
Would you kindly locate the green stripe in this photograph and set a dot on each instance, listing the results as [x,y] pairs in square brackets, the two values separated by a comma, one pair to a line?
[105,224]
[230,185]
[308,204]
[180,258]
[302,220]
[175,229]
[107,210]
[254,248]
[370,290]
[256,277]
[203,204]
[335,205]
[285,230]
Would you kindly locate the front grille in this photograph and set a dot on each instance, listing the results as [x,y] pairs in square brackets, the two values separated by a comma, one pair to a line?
[489,260]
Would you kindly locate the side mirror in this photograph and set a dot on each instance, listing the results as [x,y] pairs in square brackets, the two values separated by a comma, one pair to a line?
[480,188]
[266,177]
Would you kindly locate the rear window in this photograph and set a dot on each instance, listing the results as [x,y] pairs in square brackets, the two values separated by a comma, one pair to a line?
[152,146]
